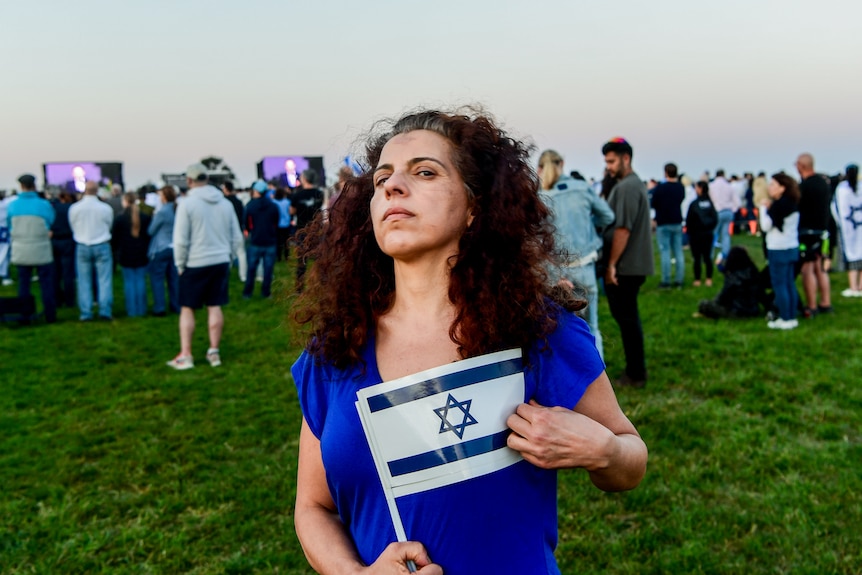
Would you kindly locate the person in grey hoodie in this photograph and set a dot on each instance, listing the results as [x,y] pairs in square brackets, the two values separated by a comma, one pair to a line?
[206,233]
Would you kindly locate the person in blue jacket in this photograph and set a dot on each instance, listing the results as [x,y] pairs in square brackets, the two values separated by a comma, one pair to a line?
[30,220]
[578,211]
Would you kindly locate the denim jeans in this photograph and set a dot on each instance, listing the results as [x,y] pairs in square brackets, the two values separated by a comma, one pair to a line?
[722,230]
[585,276]
[163,272]
[135,290]
[100,258]
[64,271]
[782,265]
[256,254]
[623,301]
[669,238]
[46,284]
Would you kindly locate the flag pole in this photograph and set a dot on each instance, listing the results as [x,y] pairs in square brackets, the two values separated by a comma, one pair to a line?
[400,535]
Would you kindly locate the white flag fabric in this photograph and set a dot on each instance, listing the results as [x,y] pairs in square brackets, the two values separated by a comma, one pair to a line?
[443,425]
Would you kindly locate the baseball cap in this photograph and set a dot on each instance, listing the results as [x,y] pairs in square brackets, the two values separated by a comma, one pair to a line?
[259,186]
[196,172]
[27,181]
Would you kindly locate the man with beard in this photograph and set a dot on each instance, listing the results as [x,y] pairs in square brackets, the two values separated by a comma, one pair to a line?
[630,259]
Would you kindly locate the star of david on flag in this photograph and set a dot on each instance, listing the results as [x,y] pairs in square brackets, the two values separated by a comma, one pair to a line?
[443,425]
[463,407]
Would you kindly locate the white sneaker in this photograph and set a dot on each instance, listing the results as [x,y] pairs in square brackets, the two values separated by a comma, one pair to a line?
[851,293]
[181,362]
[784,324]
[213,357]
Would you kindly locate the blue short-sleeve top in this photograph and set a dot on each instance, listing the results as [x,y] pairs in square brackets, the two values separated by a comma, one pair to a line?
[503,522]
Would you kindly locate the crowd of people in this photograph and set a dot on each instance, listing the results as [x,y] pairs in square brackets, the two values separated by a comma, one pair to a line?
[604,229]
[603,226]
[185,243]
[411,260]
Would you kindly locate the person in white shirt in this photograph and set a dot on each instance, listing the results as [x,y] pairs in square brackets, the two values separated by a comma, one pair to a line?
[779,220]
[726,202]
[91,220]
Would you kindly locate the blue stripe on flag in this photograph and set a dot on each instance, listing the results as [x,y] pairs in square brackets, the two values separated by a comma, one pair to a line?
[448,454]
[444,383]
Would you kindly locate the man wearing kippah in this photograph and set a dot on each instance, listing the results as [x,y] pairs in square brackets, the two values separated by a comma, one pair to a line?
[631,257]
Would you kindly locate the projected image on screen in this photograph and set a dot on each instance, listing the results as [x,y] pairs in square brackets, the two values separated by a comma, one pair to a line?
[284,170]
[72,176]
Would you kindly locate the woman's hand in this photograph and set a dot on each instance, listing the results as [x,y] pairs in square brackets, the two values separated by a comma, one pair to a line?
[595,435]
[559,438]
[395,557]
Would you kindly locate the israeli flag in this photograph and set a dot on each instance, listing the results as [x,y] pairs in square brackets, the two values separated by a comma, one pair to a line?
[442,425]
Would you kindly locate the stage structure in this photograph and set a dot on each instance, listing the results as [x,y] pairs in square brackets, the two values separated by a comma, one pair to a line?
[217,173]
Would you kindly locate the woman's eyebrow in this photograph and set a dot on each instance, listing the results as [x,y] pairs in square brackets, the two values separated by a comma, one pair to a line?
[415,161]
[412,162]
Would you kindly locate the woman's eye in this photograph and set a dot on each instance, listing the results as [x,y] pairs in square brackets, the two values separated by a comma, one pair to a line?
[425,173]
[381,180]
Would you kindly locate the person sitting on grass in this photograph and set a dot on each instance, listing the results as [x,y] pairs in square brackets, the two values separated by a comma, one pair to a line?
[742,291]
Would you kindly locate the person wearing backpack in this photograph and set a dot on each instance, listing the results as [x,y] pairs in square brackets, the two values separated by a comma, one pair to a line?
[700,222]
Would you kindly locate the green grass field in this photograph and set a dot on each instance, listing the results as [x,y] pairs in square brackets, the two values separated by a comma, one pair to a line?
[110,462]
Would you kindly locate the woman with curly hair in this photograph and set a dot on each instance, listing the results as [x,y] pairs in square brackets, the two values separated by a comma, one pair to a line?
[439,252]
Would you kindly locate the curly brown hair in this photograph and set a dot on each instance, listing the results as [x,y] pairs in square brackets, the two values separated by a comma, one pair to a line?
[499,281]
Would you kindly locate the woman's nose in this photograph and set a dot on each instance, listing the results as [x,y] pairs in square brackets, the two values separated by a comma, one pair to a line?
[395,185]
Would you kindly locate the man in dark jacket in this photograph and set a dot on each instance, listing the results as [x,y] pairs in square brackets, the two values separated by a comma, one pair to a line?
[815,198]
[63,246]
[667,200]
[261,221]
[305,203]
[230,193]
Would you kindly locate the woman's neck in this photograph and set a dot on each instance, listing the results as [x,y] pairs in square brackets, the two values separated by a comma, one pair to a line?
[422,289]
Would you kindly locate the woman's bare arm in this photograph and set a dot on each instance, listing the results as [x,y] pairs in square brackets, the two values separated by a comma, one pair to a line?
[595,435]
[325,542]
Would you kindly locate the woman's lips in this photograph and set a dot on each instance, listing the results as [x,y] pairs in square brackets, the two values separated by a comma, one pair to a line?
[396,214]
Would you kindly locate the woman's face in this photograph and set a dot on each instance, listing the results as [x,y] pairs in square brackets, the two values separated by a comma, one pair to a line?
[775,189]
[420,205]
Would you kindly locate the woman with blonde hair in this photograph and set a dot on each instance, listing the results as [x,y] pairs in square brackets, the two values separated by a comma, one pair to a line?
[577,211]
[132,241]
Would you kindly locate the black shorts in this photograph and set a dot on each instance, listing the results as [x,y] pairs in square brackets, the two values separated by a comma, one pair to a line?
[206,286]
[810,246]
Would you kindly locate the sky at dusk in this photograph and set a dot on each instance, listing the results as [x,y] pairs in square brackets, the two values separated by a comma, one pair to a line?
[159,84]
